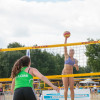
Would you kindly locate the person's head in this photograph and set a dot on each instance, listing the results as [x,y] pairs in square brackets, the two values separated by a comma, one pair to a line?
[77,84]
[25,61]
[71,52]
[22,62]
[90,84]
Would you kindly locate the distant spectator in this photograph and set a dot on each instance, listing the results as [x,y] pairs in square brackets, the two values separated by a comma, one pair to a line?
[95,88]
[77,86]
[1,91]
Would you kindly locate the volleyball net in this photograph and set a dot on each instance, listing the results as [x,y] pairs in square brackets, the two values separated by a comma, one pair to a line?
[49,60]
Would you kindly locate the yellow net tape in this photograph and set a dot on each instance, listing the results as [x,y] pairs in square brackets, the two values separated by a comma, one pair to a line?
[49,46]
[57,76]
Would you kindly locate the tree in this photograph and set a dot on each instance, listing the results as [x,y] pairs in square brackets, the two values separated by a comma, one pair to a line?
[46,62]
[14,45]
[59,64]
[93,54]
[7,59]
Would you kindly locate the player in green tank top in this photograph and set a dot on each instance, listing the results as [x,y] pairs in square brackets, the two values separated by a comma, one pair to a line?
[23,79]
[22,83]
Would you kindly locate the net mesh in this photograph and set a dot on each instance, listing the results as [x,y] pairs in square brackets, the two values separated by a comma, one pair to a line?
[49,61]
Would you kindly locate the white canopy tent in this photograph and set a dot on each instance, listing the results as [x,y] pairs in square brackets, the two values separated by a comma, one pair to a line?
[89,81]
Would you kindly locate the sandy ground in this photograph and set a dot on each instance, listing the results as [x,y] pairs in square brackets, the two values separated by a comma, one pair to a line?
[93,97]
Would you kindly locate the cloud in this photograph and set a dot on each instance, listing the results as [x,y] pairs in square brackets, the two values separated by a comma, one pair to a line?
[45,0]
[2,43]
[44,22]
[21,32]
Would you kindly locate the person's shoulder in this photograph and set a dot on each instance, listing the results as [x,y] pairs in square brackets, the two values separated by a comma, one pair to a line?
[33,69]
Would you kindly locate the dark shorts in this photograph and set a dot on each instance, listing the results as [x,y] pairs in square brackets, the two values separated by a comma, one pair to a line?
[25,93]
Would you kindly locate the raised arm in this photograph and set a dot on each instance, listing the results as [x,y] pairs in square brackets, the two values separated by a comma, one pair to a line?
[43,78]
[13,85]
[65,50]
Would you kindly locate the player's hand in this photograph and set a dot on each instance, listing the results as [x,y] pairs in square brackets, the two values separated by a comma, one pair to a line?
[76,66]
[56,88]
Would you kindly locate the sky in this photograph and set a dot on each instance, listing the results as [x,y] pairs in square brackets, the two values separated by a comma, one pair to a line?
[43,22]
[46,0]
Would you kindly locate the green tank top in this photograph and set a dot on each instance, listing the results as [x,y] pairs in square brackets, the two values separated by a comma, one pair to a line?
[23,79]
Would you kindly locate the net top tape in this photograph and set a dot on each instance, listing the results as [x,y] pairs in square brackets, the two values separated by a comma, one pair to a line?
[49,46]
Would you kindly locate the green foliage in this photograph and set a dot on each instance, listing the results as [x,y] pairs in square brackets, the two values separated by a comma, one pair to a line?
[46,62]
[7,59]
[93,54]
[14,45]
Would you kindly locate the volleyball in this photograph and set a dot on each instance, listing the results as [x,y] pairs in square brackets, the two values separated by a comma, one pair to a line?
[67,34]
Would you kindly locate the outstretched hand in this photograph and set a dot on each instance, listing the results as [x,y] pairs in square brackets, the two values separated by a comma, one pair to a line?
[76,66]
[56,88]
